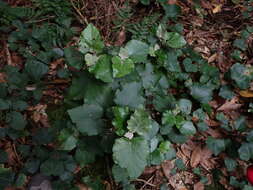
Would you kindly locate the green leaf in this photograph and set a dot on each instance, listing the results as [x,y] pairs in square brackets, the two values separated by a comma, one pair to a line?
[90,40]
[201,93]
[52,167]
[216,145]
[241,44]
[20,181]
[241,75]
[145,2]
[240,124]
[119,174]
[140,122]
[130,95]
[74,58]
[87,118]
[187,128]
[188,66]
[230,164]
[100,94]
[226,92]
[102,69]
[4,104]
[84,157]
[185,106]
[172,11]
[131,155]
[246,151]
[67,140]
[135,50]
[121,67]
[121,114]
[19,105]
[16,120]
[6,177]
[175,40]
[36,69]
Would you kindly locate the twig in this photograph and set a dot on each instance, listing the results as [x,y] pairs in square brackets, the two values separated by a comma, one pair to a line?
[8,54]
[41,20]
[146,182]
[79,13]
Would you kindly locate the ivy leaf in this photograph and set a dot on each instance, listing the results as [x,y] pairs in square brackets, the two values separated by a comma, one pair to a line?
[102,69]
[187,128]
[16,120]
[52,167]
[90,40]
[131,154]
[140,122]
[6,177]
[130,95]
[201,93]
[121,67]
[216,145]
[185,106]
[119,174]
[226,92]
[175,40]
[135,50]
[241,75]
[87,118]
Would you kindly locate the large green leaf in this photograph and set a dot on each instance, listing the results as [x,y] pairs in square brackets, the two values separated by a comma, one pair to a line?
[74,58]
[87,118]
[140,122]
[102,69]
[135,50]
[121,67]
[131,154]
[90,40]
[130,95]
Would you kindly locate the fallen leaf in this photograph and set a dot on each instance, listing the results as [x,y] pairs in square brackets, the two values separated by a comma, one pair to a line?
[199,186]
[82,187]
[212,58]
[246,93]
[217,9]
[230,105]
[196,156]
[2,77]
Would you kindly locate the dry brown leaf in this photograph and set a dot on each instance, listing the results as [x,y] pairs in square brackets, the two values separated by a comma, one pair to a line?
[229,105]
[199,186]
[196,156]
[121,37]
[82,187]
[246,93]
[212,58]
[2,77]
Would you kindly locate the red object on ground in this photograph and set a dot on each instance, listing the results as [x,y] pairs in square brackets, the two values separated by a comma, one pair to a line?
[250,174]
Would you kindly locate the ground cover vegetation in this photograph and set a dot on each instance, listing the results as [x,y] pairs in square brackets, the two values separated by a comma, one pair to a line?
[126,94]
